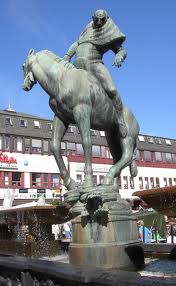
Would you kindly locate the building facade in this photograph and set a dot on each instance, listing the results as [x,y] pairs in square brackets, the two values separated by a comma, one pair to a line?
[28,168]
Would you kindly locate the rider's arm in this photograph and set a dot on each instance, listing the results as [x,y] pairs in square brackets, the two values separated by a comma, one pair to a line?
[120,55]
[119,50]
[71,51]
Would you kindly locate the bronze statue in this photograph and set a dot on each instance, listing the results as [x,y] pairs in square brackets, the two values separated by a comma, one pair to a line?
[101,35]
[83,93]
[76,97]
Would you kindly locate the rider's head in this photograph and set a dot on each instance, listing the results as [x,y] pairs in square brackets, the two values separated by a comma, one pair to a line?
[99,18]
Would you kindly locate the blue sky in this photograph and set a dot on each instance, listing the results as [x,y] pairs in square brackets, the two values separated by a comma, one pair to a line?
[146,81]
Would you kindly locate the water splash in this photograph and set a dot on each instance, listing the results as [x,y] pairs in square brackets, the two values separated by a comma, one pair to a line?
[8,199]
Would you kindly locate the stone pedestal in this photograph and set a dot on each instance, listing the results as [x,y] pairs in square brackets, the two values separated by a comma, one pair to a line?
[105,246]
[105,234]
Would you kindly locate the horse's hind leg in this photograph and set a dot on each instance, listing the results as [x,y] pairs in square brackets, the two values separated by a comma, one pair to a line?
[125,160]
[116,152]
[82,118]
[59,129]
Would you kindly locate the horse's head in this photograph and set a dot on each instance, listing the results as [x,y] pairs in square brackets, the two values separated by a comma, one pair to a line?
[29,79]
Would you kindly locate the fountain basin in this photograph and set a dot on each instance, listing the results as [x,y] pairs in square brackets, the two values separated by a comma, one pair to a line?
[23,271]
[27,230]
[46,214]
[163,200]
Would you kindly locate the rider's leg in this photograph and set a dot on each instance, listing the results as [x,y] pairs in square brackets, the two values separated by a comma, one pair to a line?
[104,77]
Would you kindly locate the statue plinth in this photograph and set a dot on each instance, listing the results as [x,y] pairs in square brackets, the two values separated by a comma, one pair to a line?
[105,233]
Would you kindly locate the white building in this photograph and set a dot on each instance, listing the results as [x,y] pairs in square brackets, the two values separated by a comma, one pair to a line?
[29,169]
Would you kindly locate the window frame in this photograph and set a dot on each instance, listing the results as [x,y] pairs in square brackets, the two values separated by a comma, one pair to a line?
[125,182]
[141,183]
[36,150]
[141,138]
[37,124]
[10,123]
[79,177]
[10,182]
[49,126]
[168,142]
[25,123]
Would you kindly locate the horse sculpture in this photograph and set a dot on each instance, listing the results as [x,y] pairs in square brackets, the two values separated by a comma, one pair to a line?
[76,97]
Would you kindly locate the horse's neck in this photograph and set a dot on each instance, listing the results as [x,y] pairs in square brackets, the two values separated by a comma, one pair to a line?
[47,74]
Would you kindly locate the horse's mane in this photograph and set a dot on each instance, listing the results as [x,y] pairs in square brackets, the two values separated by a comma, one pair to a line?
[59,60]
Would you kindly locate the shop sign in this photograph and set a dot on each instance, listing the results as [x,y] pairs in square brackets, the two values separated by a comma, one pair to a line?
[57,191]
[96,168]
[23,191]
[8,163]
[41,191]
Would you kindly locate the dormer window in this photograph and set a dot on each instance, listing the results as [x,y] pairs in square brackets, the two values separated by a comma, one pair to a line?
[36,124]
[23,123]
[150,139]
[102,133]
[70,129]
[8,121]
[92,132]
[158,140]
[141,138]
[168,142]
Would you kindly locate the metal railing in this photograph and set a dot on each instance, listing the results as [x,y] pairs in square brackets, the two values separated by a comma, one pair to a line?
[155,235]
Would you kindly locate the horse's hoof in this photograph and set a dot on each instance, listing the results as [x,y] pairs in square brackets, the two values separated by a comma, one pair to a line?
[87,184]
[72,185]
[108,180]
[133,169]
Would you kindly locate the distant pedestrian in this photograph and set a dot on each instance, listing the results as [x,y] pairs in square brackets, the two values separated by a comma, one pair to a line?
[67,230]
[155,233]
[144,233]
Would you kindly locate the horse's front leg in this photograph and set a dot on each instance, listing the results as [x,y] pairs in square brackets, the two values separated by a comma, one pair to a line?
[59,129]
[82,118]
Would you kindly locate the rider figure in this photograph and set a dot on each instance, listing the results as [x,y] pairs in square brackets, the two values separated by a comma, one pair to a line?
[99,36]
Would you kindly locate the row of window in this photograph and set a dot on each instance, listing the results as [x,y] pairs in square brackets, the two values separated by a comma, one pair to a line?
[24,123]
[150,156]
[151,139]
[142,183]
[27,145]
[145,183]
[38,146]
[97,179]
[37,124]
[44,180]
[37,180]
[77,149]
[30,145]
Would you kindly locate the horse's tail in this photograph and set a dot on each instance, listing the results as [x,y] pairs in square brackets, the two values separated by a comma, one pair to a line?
[133,165]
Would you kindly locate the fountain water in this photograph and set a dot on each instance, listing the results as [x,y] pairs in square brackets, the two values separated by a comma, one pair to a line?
[8,199]
[26,229]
